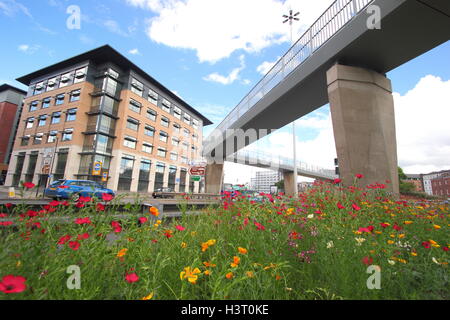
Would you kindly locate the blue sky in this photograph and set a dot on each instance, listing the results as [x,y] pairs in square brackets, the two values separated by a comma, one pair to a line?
[210,52]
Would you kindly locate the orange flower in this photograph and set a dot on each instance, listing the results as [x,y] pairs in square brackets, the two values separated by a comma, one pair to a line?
[122,252]
[208,264]
[154,211]
[242,250]
[191,276]
[229,275]
[236,261]
[249,274]
[207,244]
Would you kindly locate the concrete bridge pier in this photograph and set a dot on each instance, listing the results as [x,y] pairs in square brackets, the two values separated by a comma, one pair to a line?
[289,183]
[214,178]
[362,111]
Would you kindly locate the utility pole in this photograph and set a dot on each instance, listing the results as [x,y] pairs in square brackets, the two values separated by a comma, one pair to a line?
[290,18]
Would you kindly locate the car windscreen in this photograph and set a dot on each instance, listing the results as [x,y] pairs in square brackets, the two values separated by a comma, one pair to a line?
[57,183]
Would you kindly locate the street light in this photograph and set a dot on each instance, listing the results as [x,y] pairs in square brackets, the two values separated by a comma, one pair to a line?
[293,17]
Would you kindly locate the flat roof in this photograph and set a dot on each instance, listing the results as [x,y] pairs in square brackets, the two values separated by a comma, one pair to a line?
[107,53]
[6,86]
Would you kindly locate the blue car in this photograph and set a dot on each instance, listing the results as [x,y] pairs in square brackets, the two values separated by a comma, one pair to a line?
[74,189]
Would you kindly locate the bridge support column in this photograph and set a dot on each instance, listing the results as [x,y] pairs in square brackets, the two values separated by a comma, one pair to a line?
[362,111]
[289,183]
[214,178]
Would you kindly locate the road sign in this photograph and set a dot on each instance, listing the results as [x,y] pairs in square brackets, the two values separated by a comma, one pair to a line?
[97,168]
[196,178]
[105,176]
[197,171]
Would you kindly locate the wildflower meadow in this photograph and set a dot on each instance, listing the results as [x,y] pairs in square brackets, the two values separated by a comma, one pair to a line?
[325,244]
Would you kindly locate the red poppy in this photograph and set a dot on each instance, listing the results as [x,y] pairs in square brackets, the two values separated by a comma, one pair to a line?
[180,228]
[116,226]
[79,205]
[29,185]
[426,244]
[367,260]
[445,249]
[54,203]
[83,236]
[74,245]
[6,223]
[359,176]
[83,220]
[369,229]
[396,227]
[100,207]
[132,277]
[259,226]
[142,220]
[65,203]
[356,207]
[107,197]
[337,181]
[384,225]
[8,205]
[85,199]
[12,284]
[3,215]
[340,206]
[64,239]
[31,213]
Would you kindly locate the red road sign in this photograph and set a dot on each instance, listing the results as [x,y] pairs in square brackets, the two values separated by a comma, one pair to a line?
[197,171]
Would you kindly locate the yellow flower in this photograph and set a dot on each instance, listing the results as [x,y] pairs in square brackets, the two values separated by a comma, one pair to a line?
[390,242]
[207,272]
[357,232]
[249,274]
[290,211]
[408,222]
[236,261]
[149,297]
[207,244]
[392,235]
[414,254]
[360,241]
[437,227]
[378,232]
[191,276]
[401,236]
[183,245]
[402,261]
[242,250]
[18,264]
[229,275]
[122,253]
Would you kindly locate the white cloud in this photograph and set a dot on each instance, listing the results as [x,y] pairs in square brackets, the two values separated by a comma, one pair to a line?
[11,7]
[265,67]
[230,78]
[423,135]
[29,49]
[134,51]
[217,28]
[114,27]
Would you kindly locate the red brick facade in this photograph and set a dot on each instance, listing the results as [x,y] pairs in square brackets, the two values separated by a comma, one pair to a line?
[7,115]
[441,186]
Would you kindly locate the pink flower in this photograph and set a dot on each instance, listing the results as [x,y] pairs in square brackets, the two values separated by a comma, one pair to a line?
[180,228]
[356,207]
[142,220]
[340,206]
[12,284]
[132,277]
[116,226]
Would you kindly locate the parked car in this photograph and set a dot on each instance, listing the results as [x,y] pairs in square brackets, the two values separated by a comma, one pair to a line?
[163,193]
[74,189]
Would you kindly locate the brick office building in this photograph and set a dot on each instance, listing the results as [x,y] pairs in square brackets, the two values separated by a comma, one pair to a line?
[11,99]
[441,185]
[100,107]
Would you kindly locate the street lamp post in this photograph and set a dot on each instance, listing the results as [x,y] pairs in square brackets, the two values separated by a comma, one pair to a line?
[290,18]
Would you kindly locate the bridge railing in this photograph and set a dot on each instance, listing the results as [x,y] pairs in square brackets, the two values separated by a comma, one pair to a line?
[276,162]
[324,28]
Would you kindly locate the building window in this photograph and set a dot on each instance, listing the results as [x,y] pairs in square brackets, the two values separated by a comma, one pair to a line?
[75,96]
[67,135]
[149,131]
[38,138]
[135,106]
[61,164]
[80,75]
[25,140]
[59,99]
[151,114]
[195,124]
[130,142]
[177,112]
[52,136]
[56,117]
[183,174]
[152,97]
[29,123]
[39,88]
[172,177]
[137,87]
[125,173]
[173,156]
[175,142]
[71,114]
[147,148]
[195,138]
[163,136]
[184,160]
[162,152]
[144,175]
[42,120]
[33,106]
[51,84]
[165,105]
[187,118]
[46,103]
[165,122]
[159,175]
[176,128]
[65,79]
[186,133]
[185,146]
[132,124]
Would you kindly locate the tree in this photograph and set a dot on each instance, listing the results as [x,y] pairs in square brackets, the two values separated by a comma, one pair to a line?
[405,186]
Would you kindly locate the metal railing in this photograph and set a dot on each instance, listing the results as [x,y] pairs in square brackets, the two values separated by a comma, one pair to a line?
[326,26]
[276,162]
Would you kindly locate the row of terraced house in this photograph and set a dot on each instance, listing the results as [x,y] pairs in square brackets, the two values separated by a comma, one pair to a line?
[100,109]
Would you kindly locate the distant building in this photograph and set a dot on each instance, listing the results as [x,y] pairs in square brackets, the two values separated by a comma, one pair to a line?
[416,180]
[11,101]
[263,180]
[427,180]
[441,185]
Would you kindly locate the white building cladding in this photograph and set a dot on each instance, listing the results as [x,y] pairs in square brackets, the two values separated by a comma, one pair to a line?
[263,180]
